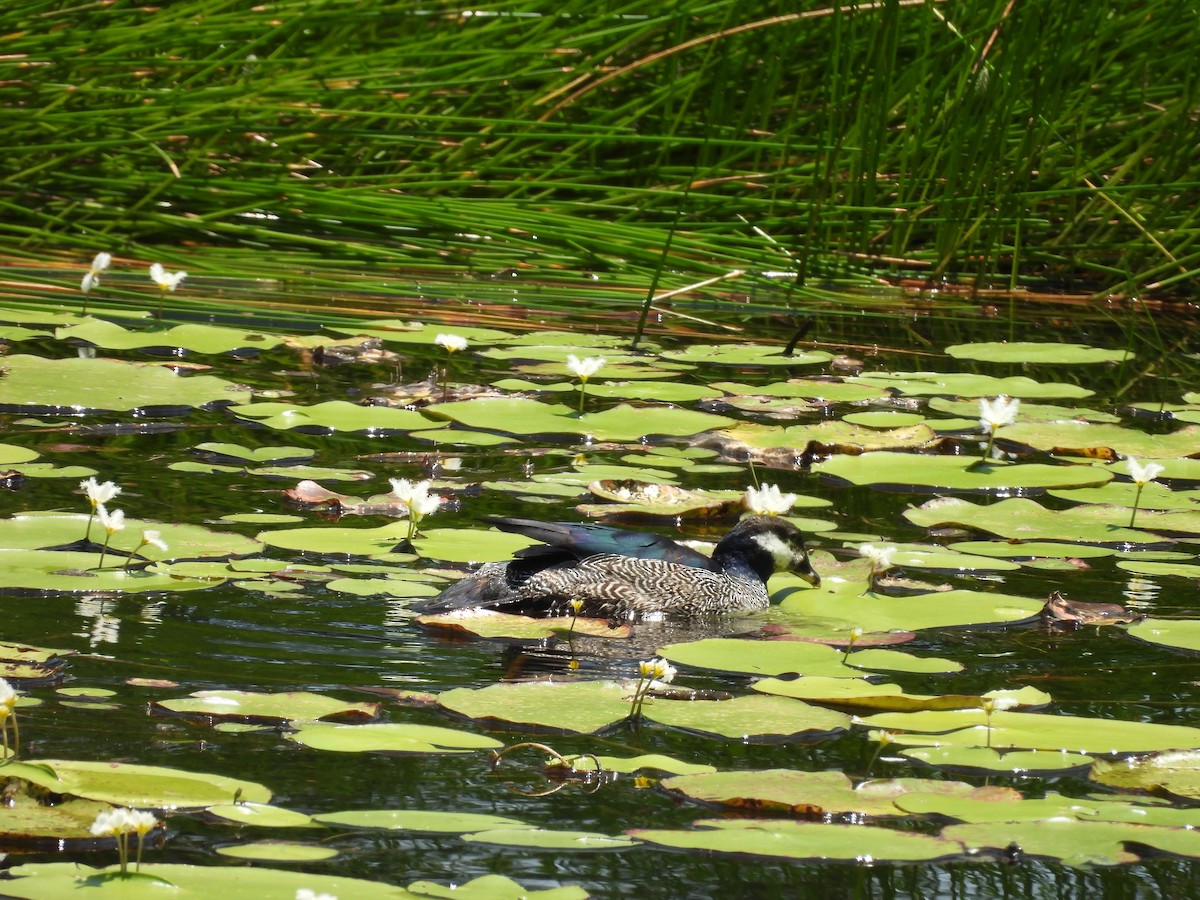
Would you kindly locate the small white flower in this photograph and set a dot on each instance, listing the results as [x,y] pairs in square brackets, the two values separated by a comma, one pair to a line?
[1143,474]
[111,822]
[663,670]
[768,500]
[8,697]
[646,668]
[452,464]
[154,538]
[997,413]
[98,493]
[880,557]
[168,281]
[855,634]
[415,495]
[141,821]
[99,263]
[999,704]
[112,521]
[583,369]
[451,342]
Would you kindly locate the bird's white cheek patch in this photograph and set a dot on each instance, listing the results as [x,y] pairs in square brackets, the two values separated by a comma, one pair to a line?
[781,551]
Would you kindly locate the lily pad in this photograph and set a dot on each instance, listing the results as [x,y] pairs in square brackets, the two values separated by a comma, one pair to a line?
[789,839]
[261,814]
[196,337]
[1183,634]
[1015,762]
[1073,842]
[137,786]
[1037,352]
[529,417]
[248,706]
[746,355]
[753,718]
[545,839]
[255,455]
[581,706]
[279,851]
[911,471]
[430,821]
[1019,519]
[1173,771]
[961,384]
[73,386]
[333,416]
[387,737]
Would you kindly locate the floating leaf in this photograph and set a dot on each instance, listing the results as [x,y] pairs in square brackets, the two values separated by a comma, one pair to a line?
[255,455]
[262,815]
[815,793]
[1174,771]
[752,718]
[816,390]
[545,839]
[1014,762]
[193,336]
[1033,731]
[961,384]
[35,385]
[620,423]
[248,706]
[141,787]
[431,821]
[579,706]
[802,840]
[912,471]
[1037,352]
[334,415]
[745,355]
[278,851]
[1019,519]
[631,764]
[1084,439]
[388,737]
[1073,842]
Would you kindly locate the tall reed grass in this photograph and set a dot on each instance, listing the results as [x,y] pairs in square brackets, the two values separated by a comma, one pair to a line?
[993,142]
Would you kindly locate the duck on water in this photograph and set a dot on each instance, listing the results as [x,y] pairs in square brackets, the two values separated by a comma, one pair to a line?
[631,575]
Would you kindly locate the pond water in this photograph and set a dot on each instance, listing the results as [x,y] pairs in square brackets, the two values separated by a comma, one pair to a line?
[274,629]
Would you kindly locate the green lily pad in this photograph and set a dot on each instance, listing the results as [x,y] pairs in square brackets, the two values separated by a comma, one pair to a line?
[968,410]
[1084,439]
[278,851]
[493,887]
[789,839]
[817,793]
[196,337]
[1181,633]
[846,605]
[780,657]
[1031,549]
[11,454]
[26,822]
[248,706]
[581,706]
[1037,352]
[1174,771]
[829,434]
[1073,842]
[745,355]
[961,384]
[396,331]
[39,530]
[75,572]
[338,540]
[545,839]
[334,416]
[1016,762]
[388,737]
[466,545]
[883,419]
[817,390]
[137,786]
[753,718]
[56,386]
[429,821]
[261,814]
[1033,731]
[529,417]
[38,881]
[257,454]
[1150,567]
[1019,519]
[912,471]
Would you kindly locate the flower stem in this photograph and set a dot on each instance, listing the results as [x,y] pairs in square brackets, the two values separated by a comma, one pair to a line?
[1136,500]
[104,550]
[582,394]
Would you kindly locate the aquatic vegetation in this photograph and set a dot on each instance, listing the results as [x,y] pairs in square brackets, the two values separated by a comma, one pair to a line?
[1142,475]
[583,369]
[97,494]
[120,823]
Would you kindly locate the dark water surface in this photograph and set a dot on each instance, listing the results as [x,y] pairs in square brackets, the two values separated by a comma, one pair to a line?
[320,640]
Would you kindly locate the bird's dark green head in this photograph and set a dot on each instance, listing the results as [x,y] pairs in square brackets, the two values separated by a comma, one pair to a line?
[767,545]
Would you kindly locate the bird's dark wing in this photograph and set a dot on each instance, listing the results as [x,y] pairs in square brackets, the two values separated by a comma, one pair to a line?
[582,540]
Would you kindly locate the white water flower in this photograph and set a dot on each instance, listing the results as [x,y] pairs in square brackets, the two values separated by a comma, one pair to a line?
[664,671]
[999,704]
[154,538]
[167,281]
[880,557]
[768,500]
[100,262]
[98,493]
[416,497]
[997,413]
[451,342]
[8,697]
[110,822]
[112,522]
[583,369]
[1143,474]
